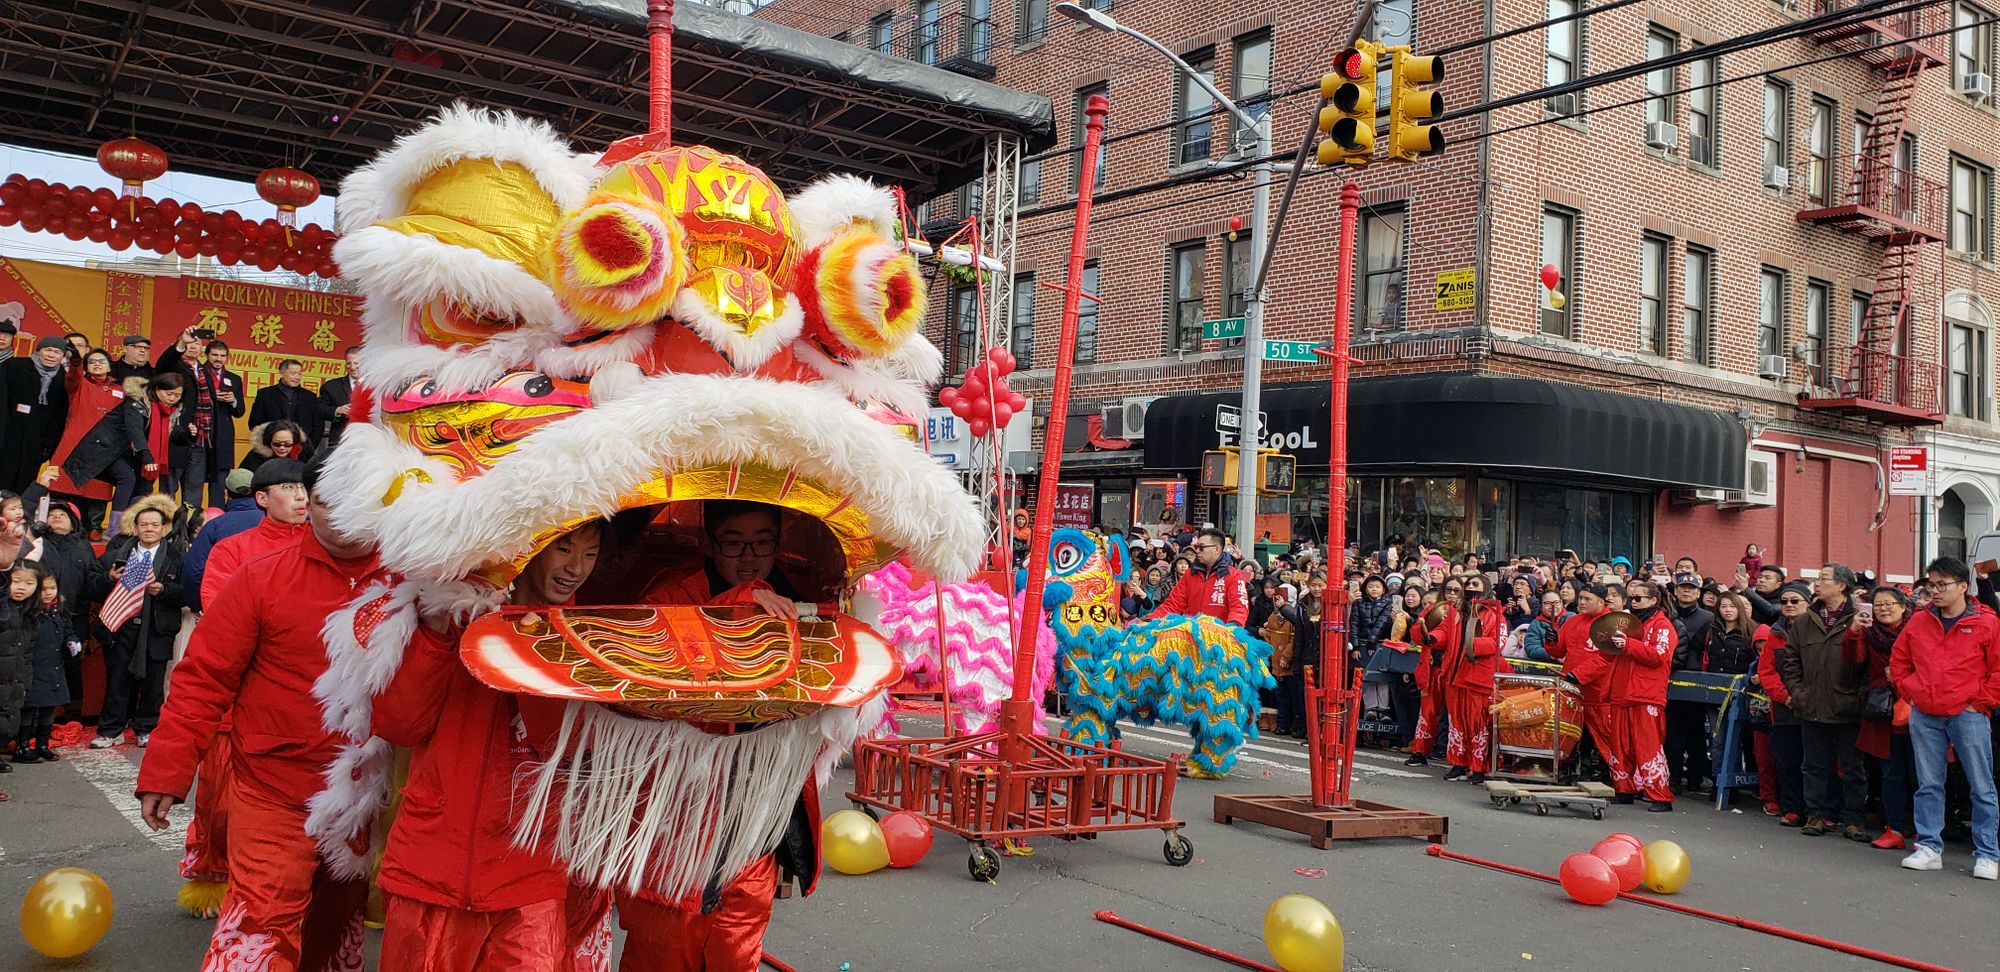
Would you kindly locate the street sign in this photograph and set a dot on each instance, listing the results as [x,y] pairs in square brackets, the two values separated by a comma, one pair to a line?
[1229,418]
[1291,350]
[1222,327]
[1909,471]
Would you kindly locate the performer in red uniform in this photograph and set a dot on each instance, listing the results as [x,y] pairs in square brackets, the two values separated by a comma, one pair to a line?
[1431,676]
[460,895]
[1634,686]
[281,493]
[1215,587]
[1472,657]
[1582,663]
[259,650]
[721,927]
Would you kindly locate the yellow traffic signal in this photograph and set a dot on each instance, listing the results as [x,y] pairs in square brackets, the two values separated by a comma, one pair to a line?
[1348,119]
[1411,108]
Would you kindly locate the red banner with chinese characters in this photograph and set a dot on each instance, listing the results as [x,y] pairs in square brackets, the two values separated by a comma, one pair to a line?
[1076,505]
[262,325]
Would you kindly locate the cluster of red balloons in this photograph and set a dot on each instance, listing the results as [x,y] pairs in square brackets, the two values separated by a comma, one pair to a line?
[983,399]
[164,226]
[1616,864]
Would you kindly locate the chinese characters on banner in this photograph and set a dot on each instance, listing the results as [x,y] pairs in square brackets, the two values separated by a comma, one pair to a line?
[262,325]
[124,308]
[1076,503]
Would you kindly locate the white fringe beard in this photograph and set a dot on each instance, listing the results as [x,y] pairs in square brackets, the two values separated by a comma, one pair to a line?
[666,807]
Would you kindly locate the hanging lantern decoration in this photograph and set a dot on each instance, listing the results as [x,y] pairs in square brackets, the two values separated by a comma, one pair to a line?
[133,162]
[288,189]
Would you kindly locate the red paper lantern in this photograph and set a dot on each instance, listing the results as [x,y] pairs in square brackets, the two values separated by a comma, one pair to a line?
[288,189]
[132,161]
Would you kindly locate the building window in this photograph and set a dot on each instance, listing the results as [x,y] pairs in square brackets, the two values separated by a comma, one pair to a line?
[1076,145]
[1238,274]
[1770,311]
[1819,312]
[1562,56]
[882,34]
[970,199]
[1250,78]
[1395,24]
[1381,264]
[1033,24]
[1704,112]
[1022,341]
[1857,317]
[976,41]
[1966,352]
[1086,316]
[1030,187]
[964,325]
[1660,44]
[928,13]
[1971,208]
[1777,130]
[1653,294]
[1819,152]
[1184,265]
[1559,248]
[1697,297]
[1195,109]
[1971,45]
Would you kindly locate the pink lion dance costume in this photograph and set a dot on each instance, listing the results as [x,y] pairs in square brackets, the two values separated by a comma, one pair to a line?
[975,669]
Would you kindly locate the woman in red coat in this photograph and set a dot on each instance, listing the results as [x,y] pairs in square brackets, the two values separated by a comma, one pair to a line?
[1471,657]
[1634,688]
[1431,673]
[93,394]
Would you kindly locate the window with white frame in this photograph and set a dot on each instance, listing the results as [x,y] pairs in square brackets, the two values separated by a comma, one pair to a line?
[1971,45]
[1195,109]
[1184,266]
[1022,341]
[929,29]
[1971,208]
[1562,55]
[1660,103]
[1819,313]
[1770,311]
[1777,129]
[1653,293]
[1967,349]
[1704,112]
[1250,77]
[1697,301]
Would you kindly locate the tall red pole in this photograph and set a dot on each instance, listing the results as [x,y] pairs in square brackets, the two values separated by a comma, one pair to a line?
[1017,715]
[660,43]
[1331,757]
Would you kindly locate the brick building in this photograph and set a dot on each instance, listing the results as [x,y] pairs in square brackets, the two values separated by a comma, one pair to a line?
[1765,284]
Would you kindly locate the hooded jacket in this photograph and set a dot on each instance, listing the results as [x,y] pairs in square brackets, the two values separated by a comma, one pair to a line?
[1944,673]
[1824,684]
[1221,592]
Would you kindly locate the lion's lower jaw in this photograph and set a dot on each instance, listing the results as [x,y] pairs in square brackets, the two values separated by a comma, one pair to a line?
[664,806]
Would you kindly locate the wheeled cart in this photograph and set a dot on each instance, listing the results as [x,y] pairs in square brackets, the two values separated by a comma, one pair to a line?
[1537,721]
[1592,797]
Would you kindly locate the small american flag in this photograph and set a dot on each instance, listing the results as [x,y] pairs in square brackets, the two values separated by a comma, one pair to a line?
[128,596]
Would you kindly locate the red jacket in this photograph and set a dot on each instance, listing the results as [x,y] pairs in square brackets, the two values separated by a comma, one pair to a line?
[1222,592]
[452,843]
[1580,656]
[1767,667]
[226,557]
[1943,674]
[1476,673]
[1640,675]
[258,650]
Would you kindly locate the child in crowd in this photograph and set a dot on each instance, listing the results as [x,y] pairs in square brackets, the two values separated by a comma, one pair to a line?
[55,640]
[17,630]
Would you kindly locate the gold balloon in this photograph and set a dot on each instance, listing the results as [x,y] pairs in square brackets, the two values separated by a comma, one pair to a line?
[1667,867]
[1303,935]
[1557,300]
[65,912]
[852,843]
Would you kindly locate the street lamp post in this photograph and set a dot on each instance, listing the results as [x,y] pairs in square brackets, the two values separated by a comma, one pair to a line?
[1252,133]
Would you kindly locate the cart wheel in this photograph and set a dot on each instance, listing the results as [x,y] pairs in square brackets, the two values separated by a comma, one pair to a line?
[1597,813]
[1179,850]
[983,864]
[870,811]
[1541,809]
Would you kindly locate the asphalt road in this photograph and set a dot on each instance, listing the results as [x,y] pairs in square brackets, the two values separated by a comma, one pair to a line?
[1401,909]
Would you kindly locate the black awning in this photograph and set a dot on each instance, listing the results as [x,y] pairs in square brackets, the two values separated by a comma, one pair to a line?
[1462,420]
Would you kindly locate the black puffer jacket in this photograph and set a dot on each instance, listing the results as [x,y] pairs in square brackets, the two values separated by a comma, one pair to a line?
[1728,652]
[47,685]
[16,639]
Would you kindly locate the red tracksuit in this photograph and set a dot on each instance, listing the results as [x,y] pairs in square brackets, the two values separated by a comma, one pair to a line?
[258,651]
[1469,692]
[207,856]
[1633,687]
[1430,679]
[461,896]
[1222,592]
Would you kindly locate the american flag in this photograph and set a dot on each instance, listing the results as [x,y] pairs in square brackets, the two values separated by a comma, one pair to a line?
[127,597]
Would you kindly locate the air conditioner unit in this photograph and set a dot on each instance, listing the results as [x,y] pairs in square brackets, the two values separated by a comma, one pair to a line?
[1689,497]
[1663,135]
[1778,177]
[1562,104]
[1760,481]
[1772,366]
[1976,85]
[1127,419]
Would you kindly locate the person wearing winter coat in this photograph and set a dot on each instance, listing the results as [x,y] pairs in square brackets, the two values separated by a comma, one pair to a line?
[1826,686]
[17,635]
[1214,586]
[1946,664]
[34,405]
[67,555]
[48,689]
[209,410]
[1787,752]
[1470,637]
[1883,736]
[103,461]
[166,435]
[1546,627]
[137,652]
[93,393]
[288,400]
[1632,680]
[1687,722]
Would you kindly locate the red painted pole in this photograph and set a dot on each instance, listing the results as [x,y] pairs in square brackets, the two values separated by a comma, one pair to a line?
[1017,714]
[1752,924]
[1331,772]
[1110,917]
[660,42]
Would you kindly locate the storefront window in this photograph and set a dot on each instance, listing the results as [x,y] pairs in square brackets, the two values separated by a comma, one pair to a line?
[1496,514]
[1428,511]
[1114,504]
[1161,502]
[1595,523]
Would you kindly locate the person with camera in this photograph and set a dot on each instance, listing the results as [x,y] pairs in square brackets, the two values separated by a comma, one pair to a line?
[210,405]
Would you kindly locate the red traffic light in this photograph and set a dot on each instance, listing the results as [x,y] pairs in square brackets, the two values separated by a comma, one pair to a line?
[1352,64]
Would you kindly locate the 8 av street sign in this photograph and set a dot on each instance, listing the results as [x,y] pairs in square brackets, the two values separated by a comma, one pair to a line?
[1220,328]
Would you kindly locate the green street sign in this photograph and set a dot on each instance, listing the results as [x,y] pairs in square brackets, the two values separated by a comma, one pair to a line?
[1226,327]
[1291,350]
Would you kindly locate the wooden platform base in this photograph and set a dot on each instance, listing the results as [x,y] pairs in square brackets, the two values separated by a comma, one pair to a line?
[1324,825]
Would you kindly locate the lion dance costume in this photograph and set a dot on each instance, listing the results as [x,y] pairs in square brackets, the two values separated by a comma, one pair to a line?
[553,339]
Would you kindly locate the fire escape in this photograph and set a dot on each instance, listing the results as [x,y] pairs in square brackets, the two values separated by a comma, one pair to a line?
[1879,377]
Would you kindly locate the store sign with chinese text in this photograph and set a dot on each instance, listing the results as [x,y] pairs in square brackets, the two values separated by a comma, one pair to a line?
[1076,505]
[262,325]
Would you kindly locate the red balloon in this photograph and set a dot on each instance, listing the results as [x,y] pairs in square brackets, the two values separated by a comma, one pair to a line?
[908,836]
[186,249]
[76,222]
[34,224]
[16,179]
[13,194]
[149,217]
[8,216]
[229,258]
[978,426]
[1002,414]
[73,234]
[120,240]
[99,232]
[1587,879]
[1017,401]
[33,210]
[328,269]
[168,205]
[266,263]
[190,211]
[947,395]
[57,207]
[1002,359]
[1627,863]
[1624,838]
[1551,276]
[38,190]
[104,199]
[207,246]
[145,238]
[211,222]
[232,219]
[81,198]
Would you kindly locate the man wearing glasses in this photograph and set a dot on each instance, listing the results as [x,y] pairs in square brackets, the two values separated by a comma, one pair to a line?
[1946,664]
[1826,683]
[1633,684]
[741,549]
[1214,587]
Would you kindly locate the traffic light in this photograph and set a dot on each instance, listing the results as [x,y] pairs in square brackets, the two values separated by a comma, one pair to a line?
[1348,118]
[1411,107]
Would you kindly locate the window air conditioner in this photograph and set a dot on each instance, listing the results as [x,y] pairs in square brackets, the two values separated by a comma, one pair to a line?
[1778,177]
[1662,135]
[1978,85]
[1772,366]
[1690,497]
[1126,420]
